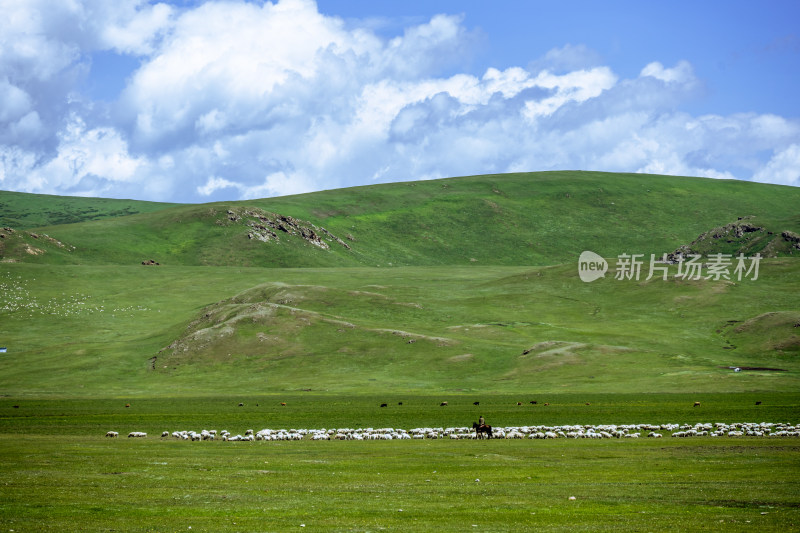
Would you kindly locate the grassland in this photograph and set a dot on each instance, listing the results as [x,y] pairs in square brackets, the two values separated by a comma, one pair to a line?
[59,472]
[80,485]
[538,219]
[458,290]
[99,331]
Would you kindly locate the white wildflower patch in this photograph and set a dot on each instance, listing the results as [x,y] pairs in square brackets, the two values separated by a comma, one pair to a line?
[17,298]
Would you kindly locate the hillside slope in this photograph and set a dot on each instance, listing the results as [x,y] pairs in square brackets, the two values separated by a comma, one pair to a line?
[516,219]
[174,331]
[485,294]
[24,211]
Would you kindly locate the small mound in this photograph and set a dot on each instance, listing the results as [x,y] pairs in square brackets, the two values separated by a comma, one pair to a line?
[276,320]
[776,331]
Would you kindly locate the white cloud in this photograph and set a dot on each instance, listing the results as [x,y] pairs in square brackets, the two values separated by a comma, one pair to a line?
[576,87]
[14,102]
[772,128]
[16,162]
[424,48]
[132,27]
[236,100]
[680,73]
[214,184]
[783,168]
[281,184]
[87,162]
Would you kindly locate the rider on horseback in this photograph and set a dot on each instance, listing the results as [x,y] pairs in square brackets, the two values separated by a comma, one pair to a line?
[482,429]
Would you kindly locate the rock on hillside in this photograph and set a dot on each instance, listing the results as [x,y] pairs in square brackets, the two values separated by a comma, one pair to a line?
[745,236]
[265,226]
[16,244]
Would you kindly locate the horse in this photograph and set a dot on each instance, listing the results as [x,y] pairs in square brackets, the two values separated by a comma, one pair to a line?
[482,431]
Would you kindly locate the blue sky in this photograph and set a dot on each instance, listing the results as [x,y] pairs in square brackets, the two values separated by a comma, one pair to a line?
[734,46]
[194,101]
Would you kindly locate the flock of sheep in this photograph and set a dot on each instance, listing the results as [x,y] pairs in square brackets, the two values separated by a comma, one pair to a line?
[603,431]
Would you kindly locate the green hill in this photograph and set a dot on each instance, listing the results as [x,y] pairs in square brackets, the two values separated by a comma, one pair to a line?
[519,219]
[283,294]
[26,211]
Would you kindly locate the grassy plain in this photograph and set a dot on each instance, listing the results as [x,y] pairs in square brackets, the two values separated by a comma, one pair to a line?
[144,331]
[59,473]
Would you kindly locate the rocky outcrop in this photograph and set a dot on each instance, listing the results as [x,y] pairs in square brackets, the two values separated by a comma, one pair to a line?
[792,238]
[728,233]
[745,237]
[269,227]
[16,242]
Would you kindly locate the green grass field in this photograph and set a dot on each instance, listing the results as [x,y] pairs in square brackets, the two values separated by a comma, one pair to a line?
[460,291]
[140,331]
[80,485]
[59,472]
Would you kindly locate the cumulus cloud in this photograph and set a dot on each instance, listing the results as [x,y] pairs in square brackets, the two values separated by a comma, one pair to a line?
[680,73]
[86,161]
[783,168]
[238,100]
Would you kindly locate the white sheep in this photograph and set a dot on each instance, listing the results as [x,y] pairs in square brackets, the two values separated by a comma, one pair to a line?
[600,431]
[112,434]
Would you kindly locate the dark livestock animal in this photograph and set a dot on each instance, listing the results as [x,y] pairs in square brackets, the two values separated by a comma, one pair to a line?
[482,431]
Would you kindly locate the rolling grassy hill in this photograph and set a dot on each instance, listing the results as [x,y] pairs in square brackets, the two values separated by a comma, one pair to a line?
[26,211]
[519,219]
[283,294]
